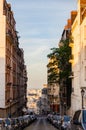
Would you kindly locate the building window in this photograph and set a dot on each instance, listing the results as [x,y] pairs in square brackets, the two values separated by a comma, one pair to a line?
[85,32]
[85,72]
[85,52]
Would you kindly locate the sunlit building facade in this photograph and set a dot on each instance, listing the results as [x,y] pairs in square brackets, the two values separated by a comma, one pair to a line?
[65,83]
[53,88]
[45,107]
[53,97]
[33,96]
[78,59]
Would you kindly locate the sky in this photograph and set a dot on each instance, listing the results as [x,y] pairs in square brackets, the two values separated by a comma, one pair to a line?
[40,24]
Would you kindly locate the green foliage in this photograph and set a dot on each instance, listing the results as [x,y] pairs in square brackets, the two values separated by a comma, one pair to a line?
[60,58]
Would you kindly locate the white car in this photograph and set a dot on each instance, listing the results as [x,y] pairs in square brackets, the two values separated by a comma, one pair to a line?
[79,119]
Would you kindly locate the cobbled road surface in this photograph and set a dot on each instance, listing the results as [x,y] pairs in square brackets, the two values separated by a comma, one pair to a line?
[41,124]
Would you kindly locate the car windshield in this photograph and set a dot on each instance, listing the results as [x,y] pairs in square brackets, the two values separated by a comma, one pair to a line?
[76,115]
[84,116]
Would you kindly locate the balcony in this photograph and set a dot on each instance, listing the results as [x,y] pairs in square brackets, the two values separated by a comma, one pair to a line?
[83,13]
[71,59]
[9,35]
[71,75]
[4,12]
[9,83]
[8,66]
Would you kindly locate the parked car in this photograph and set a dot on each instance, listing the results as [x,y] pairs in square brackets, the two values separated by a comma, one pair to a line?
[27,120]
[21,122]
[8,123]
[2,124]
[50,118]
[83,121]
[32,117]
[79,119]
[66,123]
[15,123]
[56,121]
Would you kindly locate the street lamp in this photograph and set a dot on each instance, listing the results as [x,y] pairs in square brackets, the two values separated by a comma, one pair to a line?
[10,101]
[65,108]
[82,94]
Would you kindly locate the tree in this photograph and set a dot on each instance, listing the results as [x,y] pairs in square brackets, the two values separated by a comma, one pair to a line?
[60,58]
[52,69]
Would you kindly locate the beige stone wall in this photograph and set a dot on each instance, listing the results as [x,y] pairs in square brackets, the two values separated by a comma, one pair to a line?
[79,62]
[2,55]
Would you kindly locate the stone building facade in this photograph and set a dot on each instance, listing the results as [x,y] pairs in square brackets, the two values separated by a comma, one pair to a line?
[13,75]
[78,59]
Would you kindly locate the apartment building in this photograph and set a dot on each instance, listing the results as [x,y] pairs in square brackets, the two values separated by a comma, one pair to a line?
[33,97]
[53,86]
[78,59]
[45,107]
[13,75]
[53,97]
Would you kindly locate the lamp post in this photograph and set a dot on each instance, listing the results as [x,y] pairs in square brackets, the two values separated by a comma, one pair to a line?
[52,103]
[65,108]
[10,101]
[82,94]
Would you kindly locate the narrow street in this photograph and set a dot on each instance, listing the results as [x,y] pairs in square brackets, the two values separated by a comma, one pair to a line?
[41,124]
